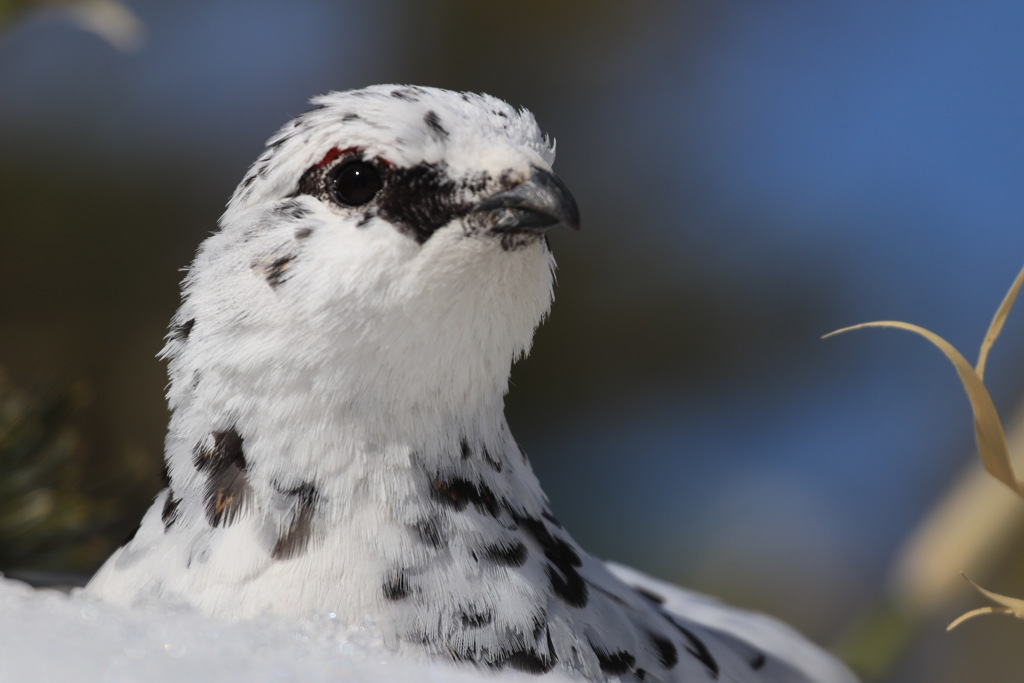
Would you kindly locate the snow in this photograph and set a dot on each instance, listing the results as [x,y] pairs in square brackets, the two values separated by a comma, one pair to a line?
[46,635]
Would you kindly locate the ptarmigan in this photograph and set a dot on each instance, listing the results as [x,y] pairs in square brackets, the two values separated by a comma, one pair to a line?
[338,442]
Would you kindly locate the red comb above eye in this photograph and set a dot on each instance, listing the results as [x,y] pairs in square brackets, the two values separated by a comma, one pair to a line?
[333,153]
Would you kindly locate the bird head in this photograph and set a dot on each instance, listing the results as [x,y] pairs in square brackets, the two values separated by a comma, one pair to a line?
[388,244]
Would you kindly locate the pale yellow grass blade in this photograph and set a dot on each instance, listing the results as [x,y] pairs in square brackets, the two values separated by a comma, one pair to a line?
[977,613]
[996,326]
[988,431]
[1007,605]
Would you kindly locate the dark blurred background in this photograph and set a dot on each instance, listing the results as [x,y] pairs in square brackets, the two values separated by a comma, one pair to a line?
[751,174]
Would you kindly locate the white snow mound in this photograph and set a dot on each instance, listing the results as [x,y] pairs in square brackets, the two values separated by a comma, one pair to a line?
[47,636]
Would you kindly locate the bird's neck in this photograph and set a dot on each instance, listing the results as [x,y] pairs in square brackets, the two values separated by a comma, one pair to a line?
[363,499]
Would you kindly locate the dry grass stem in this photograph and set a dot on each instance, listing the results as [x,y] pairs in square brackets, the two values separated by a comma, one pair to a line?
[988,429]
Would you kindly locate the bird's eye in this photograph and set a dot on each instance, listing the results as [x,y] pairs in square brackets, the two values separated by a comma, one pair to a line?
[354,183]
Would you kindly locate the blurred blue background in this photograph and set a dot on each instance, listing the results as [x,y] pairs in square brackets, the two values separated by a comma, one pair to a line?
[752,175]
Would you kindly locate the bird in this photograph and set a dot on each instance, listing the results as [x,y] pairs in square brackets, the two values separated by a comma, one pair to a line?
[337,442]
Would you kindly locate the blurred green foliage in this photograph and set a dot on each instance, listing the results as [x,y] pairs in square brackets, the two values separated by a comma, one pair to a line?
[47,520]
[9,9]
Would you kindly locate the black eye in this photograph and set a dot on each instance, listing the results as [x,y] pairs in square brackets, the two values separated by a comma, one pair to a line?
[354,183]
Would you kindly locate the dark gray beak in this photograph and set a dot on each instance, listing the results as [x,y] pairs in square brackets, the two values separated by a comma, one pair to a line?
[535,205]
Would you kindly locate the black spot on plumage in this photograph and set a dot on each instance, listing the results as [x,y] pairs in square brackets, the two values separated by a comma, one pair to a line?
[698,649]
[458,493]
[649,595]
[508,554]
[303,233]
[566,581]
[406,94]
[292,210]
[169,513]
[351,116]
[743,649]
[557,550]
[225,453]
[614,663]
[275,269]
[277,142]
[540,625]
[495,463]
[259,169]
[467,453]
[475,619]
[395,586]
[429,533]
[527,659]
[568,585]
[366,219]
[182,330]
[551,518]
[295,538]
[227,489]
[305,494]
[667,653]
[165,476]
[433,122]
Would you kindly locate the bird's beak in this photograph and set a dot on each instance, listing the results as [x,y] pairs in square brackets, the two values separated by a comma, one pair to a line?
[539,203]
